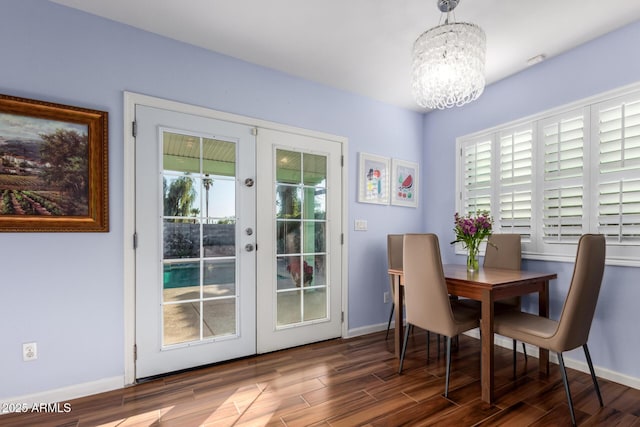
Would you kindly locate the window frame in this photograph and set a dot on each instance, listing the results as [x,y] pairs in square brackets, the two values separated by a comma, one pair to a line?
[537,247]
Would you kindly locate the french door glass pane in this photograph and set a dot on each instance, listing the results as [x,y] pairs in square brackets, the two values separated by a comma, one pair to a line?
[219,278]
[315,304]
[180,238]
[289,308]
[181,323]
[181,281]
[199,238]
[219,238]
[315,267]
[288,167]
[288,202]
[219,317]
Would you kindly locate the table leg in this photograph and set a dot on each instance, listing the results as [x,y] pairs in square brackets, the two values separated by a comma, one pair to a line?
[543,311]
[486,329]
[398,298]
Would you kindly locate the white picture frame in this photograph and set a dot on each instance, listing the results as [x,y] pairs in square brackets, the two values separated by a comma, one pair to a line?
[404,186]
[373,179]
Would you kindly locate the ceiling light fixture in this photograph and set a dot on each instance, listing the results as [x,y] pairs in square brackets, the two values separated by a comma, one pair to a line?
[448,62]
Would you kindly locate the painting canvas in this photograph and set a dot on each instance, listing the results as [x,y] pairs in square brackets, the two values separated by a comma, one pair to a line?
[44,168]
[404,183]
[373,179]
[52,167]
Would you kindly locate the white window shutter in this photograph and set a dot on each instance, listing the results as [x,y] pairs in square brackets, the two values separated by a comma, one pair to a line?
[563,208]
[558,175]
[476,179]
[618,129]
[516,181]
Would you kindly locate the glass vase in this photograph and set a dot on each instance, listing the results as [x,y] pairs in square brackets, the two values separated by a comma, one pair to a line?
[472,260]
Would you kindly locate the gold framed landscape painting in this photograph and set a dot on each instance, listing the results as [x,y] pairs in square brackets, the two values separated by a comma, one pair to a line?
[53,167]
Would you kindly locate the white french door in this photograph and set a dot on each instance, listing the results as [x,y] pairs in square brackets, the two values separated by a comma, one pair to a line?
[195,268]
[300,250]
[238,241]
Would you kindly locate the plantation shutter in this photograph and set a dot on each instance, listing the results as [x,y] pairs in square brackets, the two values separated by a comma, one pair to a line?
[618,129]
[516,180]
[476,179]
[563,208]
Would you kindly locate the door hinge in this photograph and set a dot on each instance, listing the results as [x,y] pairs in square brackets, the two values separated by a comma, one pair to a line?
[135,352]
[134,129]
[254,131]
[135,240]
[342,238]
[342,317]
[342,160]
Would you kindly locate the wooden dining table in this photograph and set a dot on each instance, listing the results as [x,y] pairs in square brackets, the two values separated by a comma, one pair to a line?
[486,285]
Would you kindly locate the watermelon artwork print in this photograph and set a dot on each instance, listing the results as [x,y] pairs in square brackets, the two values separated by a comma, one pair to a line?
[404,188]
[404,183]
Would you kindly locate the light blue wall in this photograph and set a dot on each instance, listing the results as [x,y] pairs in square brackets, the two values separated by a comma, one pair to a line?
[601,65]
[65,291]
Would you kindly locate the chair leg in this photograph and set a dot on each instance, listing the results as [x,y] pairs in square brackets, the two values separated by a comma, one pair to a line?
[524,350]
[593,374]
[563,371]
[515,344]
[404,347]
[393,306]
[428,344]
[446,383]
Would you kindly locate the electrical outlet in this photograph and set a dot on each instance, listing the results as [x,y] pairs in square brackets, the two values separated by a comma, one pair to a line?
[386,297]
[29,351]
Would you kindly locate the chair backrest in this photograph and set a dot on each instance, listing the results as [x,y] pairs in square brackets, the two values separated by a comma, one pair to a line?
[503,251]
[394,255]
[580,305]
[394,250]
[426,296]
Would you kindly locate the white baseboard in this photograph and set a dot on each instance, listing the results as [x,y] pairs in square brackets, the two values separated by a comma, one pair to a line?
[65,393]
[578,365]
[364,330]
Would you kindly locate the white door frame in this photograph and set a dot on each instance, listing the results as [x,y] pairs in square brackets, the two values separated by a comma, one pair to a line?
[130,101]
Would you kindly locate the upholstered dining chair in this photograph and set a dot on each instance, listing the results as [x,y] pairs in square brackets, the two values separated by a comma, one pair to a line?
[427,301]
[572,329]
[505,251]
[394,260]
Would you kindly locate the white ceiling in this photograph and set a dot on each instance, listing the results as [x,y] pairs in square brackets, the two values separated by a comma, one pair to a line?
[364,46]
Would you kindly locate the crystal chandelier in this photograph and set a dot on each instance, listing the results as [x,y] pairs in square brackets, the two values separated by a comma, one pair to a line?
[448,63]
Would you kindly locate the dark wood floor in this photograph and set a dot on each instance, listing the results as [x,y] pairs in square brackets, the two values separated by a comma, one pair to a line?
[352,382]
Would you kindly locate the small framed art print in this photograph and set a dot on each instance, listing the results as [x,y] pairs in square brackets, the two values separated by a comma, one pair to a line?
[373,179]
[404,183]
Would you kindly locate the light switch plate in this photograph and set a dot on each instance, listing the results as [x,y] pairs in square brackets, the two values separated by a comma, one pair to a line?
[361,225]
